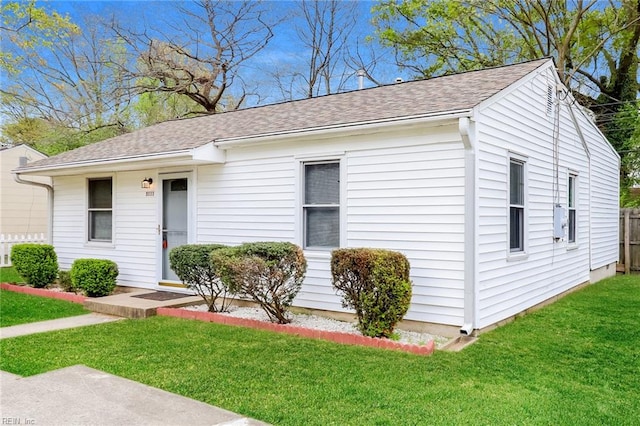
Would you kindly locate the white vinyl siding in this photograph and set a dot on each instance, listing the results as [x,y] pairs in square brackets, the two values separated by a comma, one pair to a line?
[247,200]
[604,181]
[411,199]
[405,193]
[134,246]
[516,121]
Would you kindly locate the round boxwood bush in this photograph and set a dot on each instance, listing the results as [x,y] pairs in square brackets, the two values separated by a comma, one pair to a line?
[97,277]
[192,264]
[36,263]
[270,273]
[375,283]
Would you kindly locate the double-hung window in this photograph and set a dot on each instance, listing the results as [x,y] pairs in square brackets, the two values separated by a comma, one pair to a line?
[100,209]
[321,205]
[516,205]
[572,208]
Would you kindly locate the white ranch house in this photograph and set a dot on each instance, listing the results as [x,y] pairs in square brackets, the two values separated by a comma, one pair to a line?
[495,184]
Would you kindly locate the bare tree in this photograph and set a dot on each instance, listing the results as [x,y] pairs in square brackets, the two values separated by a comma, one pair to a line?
[74,83]
[202,53]
[325,30]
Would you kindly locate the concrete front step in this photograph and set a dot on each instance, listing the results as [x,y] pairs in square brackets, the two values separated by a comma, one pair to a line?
[125,305]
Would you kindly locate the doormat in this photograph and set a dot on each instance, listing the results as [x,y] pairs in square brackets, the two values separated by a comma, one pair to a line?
[161,295]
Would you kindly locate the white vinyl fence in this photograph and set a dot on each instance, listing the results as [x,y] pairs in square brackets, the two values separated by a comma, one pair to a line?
[7,241]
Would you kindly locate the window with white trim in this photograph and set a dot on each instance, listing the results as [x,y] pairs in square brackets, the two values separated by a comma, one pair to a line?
[516,205]
[572,208]
[100,210]
[321,204]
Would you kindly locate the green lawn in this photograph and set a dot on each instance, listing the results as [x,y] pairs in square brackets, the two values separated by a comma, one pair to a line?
[9,275]
[575,362]
[19,308]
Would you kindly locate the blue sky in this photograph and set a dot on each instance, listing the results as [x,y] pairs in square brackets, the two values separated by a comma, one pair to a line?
[284,52]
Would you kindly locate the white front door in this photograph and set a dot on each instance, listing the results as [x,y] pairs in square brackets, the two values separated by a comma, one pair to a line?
[175,220]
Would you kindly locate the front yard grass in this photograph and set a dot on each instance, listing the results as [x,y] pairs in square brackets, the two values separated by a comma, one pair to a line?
[8,274]
[574,362]
[19,308]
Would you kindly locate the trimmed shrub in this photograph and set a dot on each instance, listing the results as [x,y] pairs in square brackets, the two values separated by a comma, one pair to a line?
[96,277]
[64,281]
[270,273]
[192,264]
[36,263]
[375,283]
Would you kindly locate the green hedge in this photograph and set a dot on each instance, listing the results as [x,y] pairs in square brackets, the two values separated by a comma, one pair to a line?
[192,264]
[97,277]
[375,283]
[36,263]
[270,273]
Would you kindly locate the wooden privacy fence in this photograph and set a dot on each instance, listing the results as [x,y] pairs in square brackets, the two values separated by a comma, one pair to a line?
[7,241]
[629,241]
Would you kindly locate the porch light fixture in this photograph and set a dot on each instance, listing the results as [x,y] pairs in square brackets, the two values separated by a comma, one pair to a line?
[146,183]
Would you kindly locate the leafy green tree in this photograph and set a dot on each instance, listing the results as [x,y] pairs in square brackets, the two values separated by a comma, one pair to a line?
[594,44]
[68,92]
[24,27]
[154,107]
[51,138]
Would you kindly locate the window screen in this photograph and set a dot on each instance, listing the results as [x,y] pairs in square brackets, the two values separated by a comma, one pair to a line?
[321,208]
[516,206]
[100,209]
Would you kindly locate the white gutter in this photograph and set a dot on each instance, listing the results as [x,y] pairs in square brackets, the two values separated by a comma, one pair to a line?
[372,125]
[466,132]
[206,153]
[49,188]
[159,156]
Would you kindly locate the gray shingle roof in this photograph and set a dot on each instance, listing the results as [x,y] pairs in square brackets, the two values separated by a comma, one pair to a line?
[440,94]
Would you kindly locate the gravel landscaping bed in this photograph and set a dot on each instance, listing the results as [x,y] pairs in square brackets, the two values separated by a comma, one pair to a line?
[326,324]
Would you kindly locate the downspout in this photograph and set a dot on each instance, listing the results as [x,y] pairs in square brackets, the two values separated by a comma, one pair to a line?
[49,188]
[469,322]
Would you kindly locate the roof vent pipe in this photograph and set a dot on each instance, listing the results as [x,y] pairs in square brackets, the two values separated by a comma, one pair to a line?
[399,80]
[361,79]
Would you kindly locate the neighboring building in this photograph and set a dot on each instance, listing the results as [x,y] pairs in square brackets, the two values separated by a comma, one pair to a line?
[23,208]
[494,183]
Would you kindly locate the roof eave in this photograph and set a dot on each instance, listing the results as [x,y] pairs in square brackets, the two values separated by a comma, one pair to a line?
[367,126]
[204,154]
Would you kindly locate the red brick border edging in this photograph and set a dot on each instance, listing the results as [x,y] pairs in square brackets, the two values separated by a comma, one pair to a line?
[75,298]
[344,338]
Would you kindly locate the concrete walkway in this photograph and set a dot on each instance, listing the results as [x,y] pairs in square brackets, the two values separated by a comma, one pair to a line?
[80,395]
[56,324]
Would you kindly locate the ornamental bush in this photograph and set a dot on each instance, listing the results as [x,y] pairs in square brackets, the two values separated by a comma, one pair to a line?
[96,277]
[36,263]
[270,273]
[375,283]
[64,281]
[192,264]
